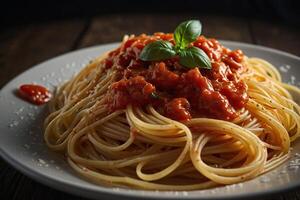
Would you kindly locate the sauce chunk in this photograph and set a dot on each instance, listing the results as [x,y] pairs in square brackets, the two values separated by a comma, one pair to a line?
[176,91]
[35,94]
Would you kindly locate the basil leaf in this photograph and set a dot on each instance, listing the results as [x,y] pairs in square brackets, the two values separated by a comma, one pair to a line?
[154,95]
[186,33]
[158,50]
[194,57]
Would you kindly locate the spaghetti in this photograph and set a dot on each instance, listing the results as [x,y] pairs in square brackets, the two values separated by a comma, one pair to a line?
[123,122]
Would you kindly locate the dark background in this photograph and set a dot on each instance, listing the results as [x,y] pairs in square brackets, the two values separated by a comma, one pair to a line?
[34,31]
[20,12]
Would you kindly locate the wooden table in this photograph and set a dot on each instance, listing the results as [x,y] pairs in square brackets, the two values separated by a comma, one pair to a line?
[23,46]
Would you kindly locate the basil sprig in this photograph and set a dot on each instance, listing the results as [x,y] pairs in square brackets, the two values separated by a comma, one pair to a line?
[189,56]
[194,56]
[158,50]
[186,33]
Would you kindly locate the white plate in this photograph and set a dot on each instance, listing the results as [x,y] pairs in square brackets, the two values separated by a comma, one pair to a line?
[21,136]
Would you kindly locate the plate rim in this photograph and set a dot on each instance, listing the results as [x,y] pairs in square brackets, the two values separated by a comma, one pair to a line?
[91,192]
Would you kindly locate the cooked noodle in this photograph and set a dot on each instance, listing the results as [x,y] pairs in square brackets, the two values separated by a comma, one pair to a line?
[139,147]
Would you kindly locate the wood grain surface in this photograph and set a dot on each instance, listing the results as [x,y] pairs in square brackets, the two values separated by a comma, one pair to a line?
[26,45]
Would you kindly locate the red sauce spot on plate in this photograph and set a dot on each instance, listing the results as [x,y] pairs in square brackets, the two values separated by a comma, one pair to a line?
[35,94]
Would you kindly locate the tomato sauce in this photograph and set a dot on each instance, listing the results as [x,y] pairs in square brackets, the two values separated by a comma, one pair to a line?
[176,91]
[35,94]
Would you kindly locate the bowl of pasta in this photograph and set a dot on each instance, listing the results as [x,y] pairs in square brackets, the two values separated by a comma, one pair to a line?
[166,116]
